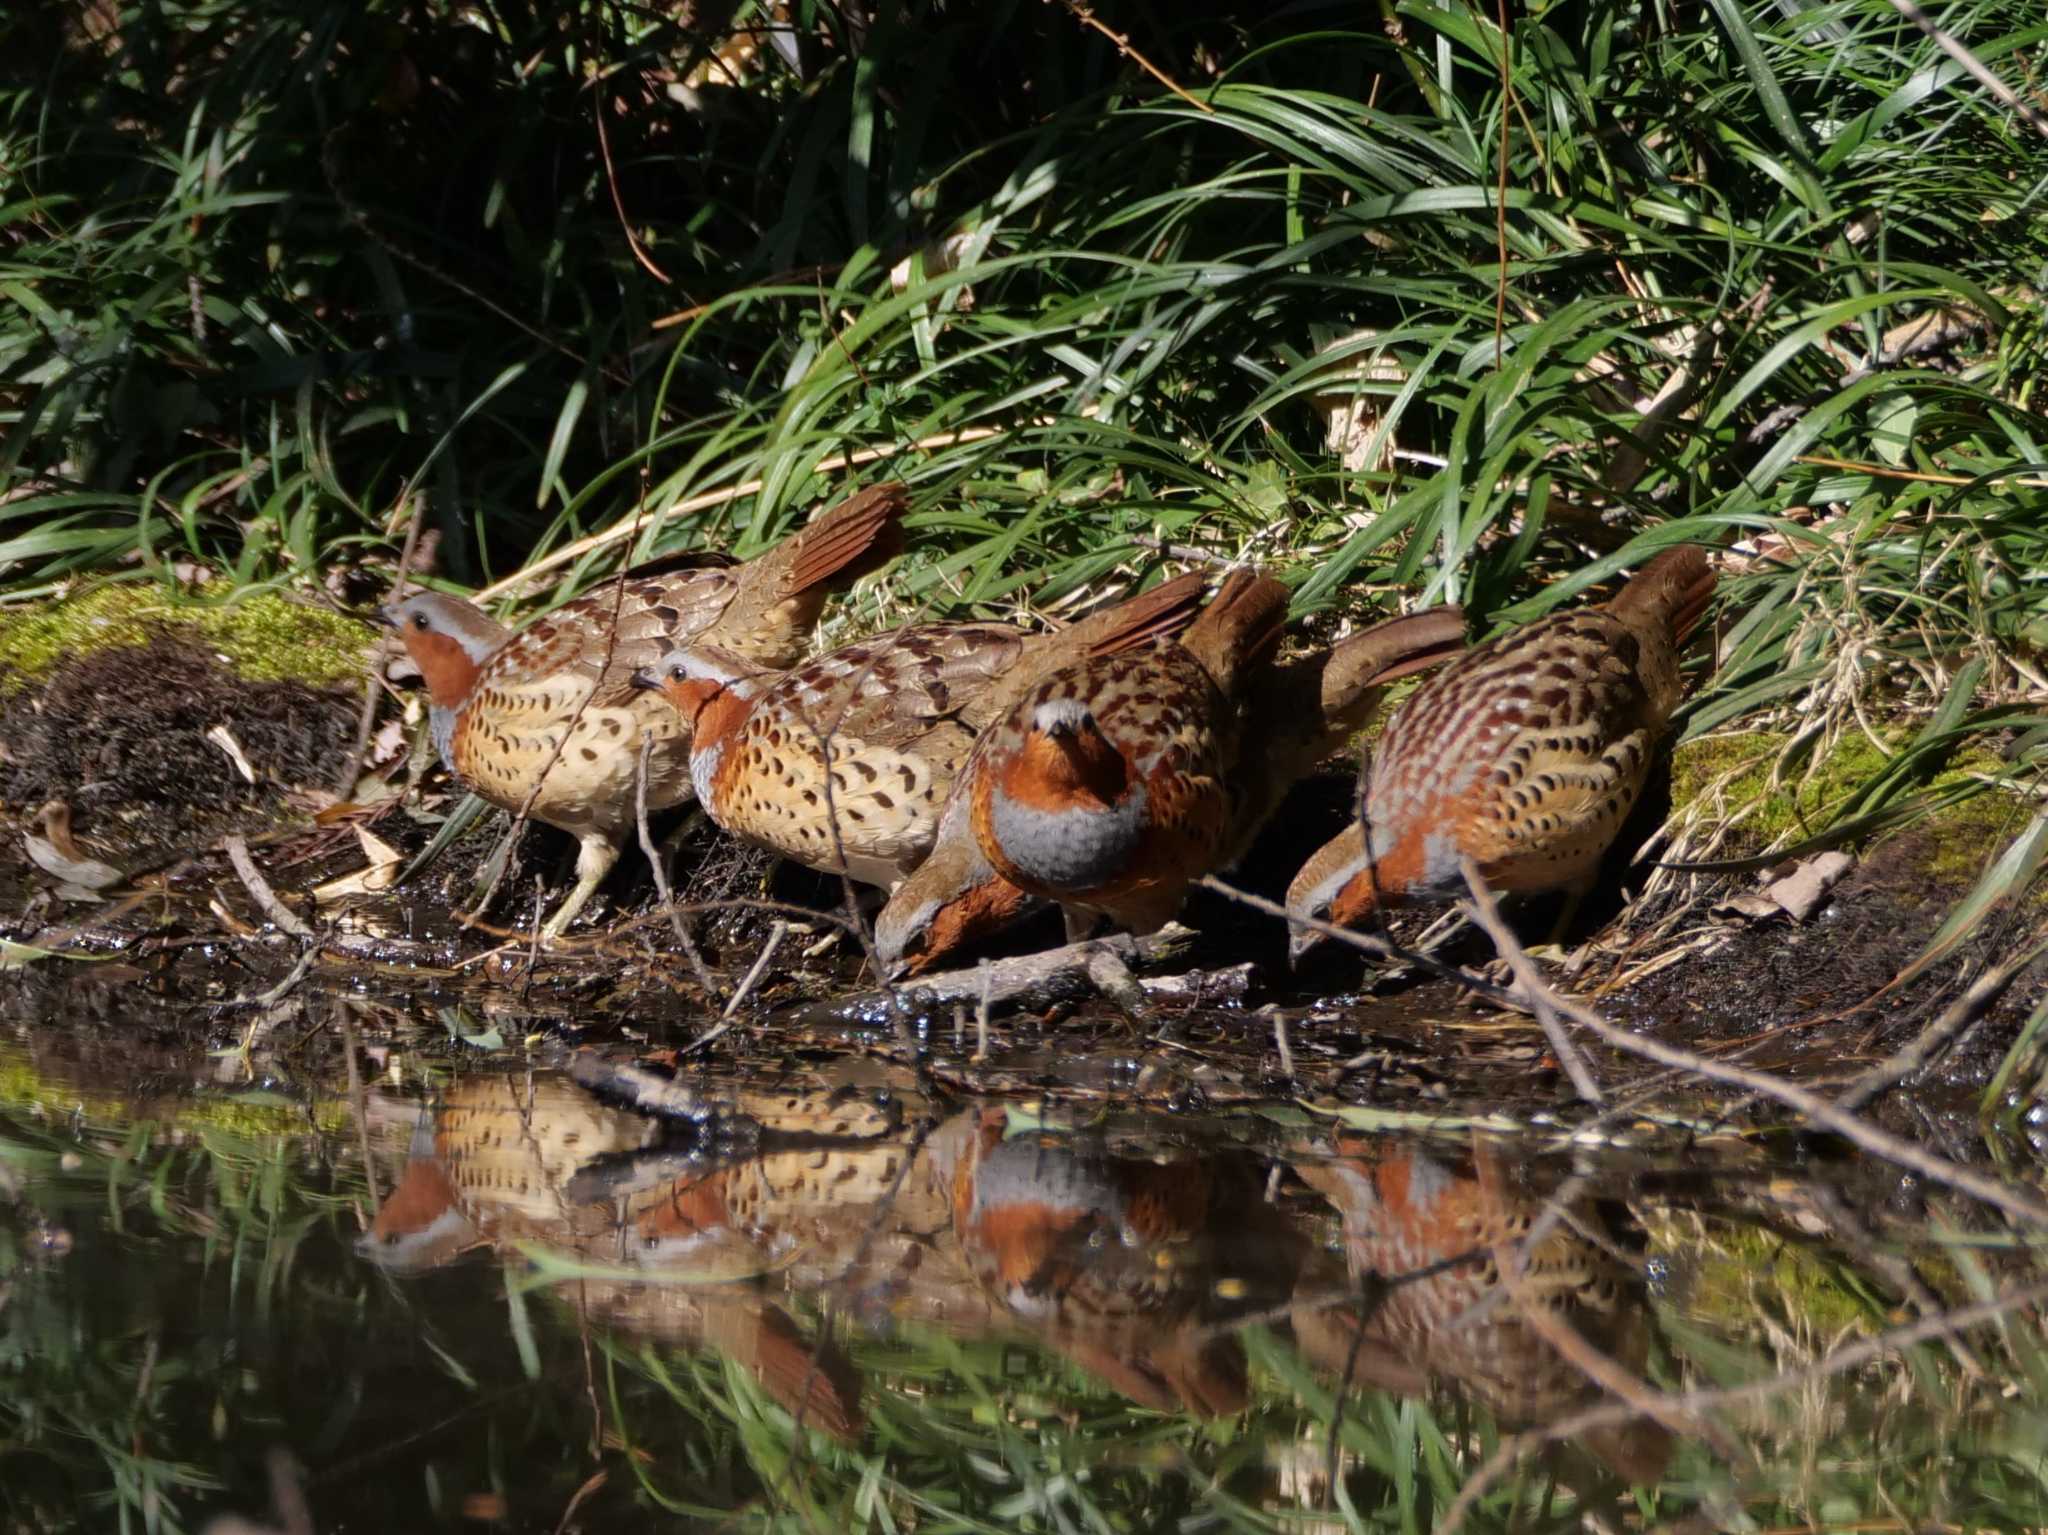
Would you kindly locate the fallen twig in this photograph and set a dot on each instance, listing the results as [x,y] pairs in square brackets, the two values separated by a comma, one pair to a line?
[1879,1143]
[754,973]
[1978,70]
[281,916]
[367,719]
[288,921]
[1088,18]
[1953,1021]
[643,1091]
[1034,980]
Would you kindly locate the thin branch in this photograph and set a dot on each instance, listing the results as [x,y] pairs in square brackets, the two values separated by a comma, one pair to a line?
[358,1104]
[1530,979]
[1187,553]
[282,917]
[1977,68]
[1086,17]
[668,900]
[367,720]
[1954,1019]
[604,666]
[1570,1345]
[1848,1357]
[1918,476]
[753,976]
[611,180]
[1033,980]
[2014,1201]
[1500,196]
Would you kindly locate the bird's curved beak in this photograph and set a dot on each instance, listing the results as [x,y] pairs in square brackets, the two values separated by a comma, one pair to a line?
[1299,941]
[645,680]
[388,617]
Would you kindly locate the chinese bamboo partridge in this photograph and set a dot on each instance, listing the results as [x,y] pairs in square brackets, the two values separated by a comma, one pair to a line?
[1222,755]
[548,720]
[853,754]
[1525,755]
[1106,787]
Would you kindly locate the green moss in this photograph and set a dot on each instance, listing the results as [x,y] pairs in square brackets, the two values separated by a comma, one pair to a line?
[1736,770]
[23,1086]
[262,636]
[1744,1268]
[1798,807]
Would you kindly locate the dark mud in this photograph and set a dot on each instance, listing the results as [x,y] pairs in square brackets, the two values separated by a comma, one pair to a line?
[1814,999]
[121,735]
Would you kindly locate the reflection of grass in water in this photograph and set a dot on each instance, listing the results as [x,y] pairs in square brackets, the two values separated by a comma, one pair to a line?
[989,1435]
[962,1435]
[109,1402]
[250,1118]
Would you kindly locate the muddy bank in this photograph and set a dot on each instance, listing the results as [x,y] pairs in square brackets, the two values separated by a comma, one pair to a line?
[162,724]
[164,733]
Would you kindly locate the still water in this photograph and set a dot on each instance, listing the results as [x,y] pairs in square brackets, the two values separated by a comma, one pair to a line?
[458,1287]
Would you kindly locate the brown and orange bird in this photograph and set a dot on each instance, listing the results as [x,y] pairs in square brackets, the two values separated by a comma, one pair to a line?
[515,1161]
[1107,786]
[1463,1295]
[845,763]
[1525,755]
[549,715]
[1138,773]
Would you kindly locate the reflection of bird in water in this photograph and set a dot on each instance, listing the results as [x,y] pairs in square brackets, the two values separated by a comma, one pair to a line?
[489,1167]
[507,1159]
[1133,1269]
[56,852]
[1431,1234]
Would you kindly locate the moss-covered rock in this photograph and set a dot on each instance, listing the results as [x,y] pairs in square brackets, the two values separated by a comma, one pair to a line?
[259,635]
[1731,777]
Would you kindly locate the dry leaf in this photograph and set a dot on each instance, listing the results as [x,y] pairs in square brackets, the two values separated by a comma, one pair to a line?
[384,863]
[222,737]
[1805,890]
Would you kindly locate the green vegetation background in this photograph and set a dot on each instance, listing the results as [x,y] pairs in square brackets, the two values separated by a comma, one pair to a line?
[1397,301]
[1399,304]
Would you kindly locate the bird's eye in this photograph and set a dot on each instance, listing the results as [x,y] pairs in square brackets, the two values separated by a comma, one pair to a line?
[419,621]
[676,672]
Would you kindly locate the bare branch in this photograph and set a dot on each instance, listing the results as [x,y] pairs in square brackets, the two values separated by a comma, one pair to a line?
[1530,979]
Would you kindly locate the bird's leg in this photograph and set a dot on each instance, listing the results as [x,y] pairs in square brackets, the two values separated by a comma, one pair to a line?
[1574,895]
[1080,922]
[594,860]
[673,843]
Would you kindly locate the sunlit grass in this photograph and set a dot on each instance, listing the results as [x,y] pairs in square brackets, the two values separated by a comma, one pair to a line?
[1272,319]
